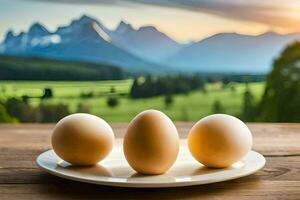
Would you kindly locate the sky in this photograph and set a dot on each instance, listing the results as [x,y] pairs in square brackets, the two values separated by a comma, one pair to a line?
[182,20]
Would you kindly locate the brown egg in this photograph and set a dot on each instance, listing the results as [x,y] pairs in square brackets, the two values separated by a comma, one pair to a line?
[151,143]
[219,140]
[82,139]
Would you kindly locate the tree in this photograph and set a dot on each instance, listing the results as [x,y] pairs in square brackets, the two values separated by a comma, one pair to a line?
[165,85]
[5,117]
[25,98]
[281,99]
[249,108]
[112,89]
[168,100]
[52,112]
[112,102]
[24,112]
[47,93]
[218,107]
[21,110]
[134,92]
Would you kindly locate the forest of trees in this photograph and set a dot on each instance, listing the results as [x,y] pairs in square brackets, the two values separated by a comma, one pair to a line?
[155,86]
[19,110]
[151,86]
[17,68]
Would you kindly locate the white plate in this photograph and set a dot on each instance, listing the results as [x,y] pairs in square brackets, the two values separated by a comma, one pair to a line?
[114,170]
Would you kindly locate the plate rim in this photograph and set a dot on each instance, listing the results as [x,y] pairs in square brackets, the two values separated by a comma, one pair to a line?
[146,185]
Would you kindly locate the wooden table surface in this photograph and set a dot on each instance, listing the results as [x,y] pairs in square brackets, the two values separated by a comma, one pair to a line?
[20,178]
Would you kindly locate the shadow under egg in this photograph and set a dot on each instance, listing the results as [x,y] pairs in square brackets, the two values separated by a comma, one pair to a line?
[158,178]
[205,170]
[91,170]
[208,170]
[140,175]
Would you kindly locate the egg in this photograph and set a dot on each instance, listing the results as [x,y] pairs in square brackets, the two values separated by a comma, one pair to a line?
[151,143]
[82,139]
[219,140]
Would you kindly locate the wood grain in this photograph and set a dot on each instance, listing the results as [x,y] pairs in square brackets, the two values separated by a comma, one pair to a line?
[20,178]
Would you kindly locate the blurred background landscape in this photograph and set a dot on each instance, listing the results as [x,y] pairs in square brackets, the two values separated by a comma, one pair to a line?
[117,58]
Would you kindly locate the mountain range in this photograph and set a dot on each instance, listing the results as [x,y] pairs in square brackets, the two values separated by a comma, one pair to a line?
[146,49]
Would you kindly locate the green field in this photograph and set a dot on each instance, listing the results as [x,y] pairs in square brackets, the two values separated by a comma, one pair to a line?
[189,107]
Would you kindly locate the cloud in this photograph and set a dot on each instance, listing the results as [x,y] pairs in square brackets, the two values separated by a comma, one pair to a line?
[270,12]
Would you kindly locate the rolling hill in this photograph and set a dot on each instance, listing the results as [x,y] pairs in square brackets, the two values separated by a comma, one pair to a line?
[16,68]
[232,53]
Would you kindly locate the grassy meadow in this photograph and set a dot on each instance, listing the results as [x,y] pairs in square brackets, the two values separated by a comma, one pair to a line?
[190,107]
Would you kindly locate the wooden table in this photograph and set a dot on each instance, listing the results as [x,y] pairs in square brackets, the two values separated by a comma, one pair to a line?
[20,178]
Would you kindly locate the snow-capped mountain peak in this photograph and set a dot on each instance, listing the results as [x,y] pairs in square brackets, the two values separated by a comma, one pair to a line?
[102,33]
[84,27]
